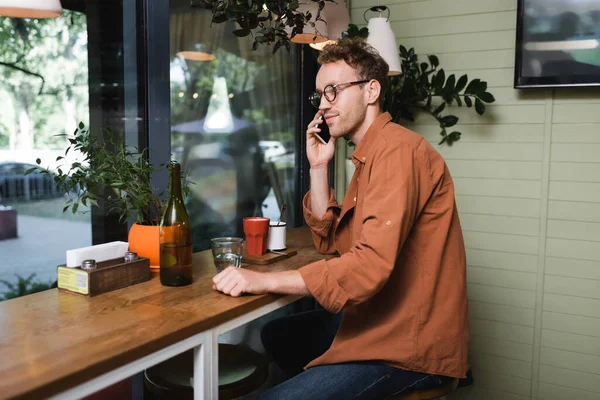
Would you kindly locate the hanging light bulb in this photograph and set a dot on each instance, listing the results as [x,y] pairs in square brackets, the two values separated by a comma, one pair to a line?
[383,39]
[338,18]
[310,34]
[30,8]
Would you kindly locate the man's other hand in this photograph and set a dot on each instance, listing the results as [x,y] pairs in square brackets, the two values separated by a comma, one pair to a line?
[237,281]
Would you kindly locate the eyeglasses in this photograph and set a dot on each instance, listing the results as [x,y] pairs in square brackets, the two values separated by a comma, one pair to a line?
[330,92]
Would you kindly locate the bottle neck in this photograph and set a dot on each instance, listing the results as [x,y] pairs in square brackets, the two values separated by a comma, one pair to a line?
[175,187]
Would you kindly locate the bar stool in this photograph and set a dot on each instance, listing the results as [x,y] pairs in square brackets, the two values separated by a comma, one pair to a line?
[241,371]
[438,393]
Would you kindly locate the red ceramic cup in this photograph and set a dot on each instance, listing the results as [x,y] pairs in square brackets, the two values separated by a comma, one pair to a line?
[256,230]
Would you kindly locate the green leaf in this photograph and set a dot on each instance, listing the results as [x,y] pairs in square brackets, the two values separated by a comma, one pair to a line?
[30,170]
[472,86]
[460,85]
[458,100]
[241,32]
[439,108]
[403,52]
[433,60]
[81,125]
[218,19]
[449,87]
[468,101]
[486,97]
[454,136]
[479,107]
[449,120]
[75,206]
[438,80]
[482,87]
[38,161]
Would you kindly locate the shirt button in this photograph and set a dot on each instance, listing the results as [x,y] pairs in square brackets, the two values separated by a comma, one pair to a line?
[364,158]
[355,199]
[388,222]
[358,179]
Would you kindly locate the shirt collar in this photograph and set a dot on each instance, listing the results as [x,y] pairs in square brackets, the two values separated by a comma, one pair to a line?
[363,149]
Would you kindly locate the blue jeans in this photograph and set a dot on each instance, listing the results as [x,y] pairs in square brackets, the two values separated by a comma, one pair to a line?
[294,341]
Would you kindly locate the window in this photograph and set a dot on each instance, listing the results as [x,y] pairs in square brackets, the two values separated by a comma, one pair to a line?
[233,124]
[83,66]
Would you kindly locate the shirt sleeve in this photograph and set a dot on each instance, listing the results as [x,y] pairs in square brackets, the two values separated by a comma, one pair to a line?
[322,228]
[389,212]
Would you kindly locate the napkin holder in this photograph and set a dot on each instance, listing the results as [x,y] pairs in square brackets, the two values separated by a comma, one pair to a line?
[108,275]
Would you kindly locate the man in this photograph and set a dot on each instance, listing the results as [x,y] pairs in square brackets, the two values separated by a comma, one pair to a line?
[399,283]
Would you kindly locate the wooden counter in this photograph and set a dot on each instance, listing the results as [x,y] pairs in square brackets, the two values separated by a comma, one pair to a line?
[53,341]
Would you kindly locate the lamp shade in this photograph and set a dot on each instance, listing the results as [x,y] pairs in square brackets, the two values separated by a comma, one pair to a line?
[196,55]
[383,39]
[30,8]
[200,52]
[310,34]
[337,17]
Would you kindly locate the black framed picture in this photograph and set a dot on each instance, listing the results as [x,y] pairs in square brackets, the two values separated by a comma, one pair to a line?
[558,43]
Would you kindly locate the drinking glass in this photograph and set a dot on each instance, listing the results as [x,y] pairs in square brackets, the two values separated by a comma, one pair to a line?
[227,252]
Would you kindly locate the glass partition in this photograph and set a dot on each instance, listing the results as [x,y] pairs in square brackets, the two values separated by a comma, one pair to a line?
[233,122]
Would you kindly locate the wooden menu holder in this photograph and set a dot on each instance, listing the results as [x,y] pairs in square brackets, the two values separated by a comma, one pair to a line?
[109,275]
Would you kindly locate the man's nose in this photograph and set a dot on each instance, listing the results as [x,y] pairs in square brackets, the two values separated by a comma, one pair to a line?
[324,104]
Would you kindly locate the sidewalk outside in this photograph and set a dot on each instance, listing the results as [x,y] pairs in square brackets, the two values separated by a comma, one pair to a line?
[41,245]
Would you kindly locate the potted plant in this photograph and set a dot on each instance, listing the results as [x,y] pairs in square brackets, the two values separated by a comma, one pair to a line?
[424,87]
[421,85]
[108,171]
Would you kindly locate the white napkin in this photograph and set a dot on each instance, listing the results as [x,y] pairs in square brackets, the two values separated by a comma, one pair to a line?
[99,252]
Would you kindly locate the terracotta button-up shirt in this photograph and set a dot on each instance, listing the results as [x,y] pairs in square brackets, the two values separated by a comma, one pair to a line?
[401,275]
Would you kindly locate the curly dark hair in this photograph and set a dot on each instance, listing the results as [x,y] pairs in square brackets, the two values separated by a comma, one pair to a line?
[361,56]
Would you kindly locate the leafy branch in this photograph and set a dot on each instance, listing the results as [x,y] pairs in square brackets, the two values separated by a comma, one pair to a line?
[27,72]
[109,165]
[267,26]
[420,84]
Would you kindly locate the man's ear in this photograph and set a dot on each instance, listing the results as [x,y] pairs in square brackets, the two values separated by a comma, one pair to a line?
[373,91]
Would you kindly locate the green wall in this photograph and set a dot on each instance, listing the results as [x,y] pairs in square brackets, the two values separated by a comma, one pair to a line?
[527,179]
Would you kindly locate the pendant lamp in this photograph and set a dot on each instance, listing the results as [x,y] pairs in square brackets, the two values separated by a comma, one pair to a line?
[383,39]
[338,19]
[201,52]
[30,8]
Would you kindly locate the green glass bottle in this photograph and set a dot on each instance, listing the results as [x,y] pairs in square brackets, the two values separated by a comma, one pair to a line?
[175,236]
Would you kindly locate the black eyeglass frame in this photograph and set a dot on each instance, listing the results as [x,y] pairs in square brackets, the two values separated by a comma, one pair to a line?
[315,97]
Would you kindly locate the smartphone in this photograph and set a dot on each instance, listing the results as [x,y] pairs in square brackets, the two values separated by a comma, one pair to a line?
[324,135]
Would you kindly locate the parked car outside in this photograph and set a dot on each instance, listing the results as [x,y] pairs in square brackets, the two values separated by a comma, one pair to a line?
[16,186]
[272,149]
